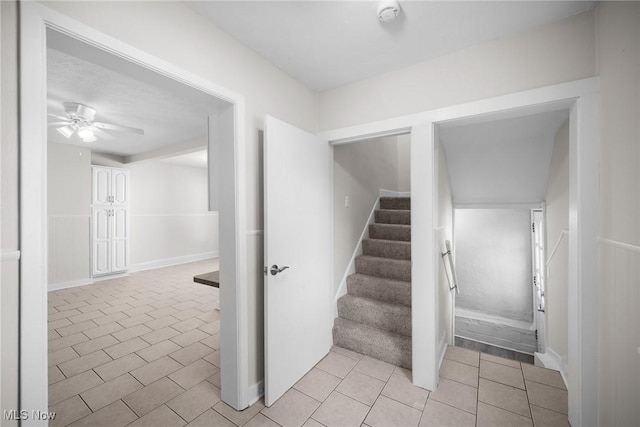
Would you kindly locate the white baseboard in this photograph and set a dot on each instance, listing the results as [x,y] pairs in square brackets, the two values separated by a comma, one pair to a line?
[552,360]
[104,277]
[256,391]
[172,261]
[391,193]
[69,284]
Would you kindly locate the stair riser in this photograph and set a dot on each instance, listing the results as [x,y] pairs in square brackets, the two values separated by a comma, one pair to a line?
[393,217]
[380,289]
[390,348]
[386,249]
[390,232]
[403,203]
[376,314]
[384,269]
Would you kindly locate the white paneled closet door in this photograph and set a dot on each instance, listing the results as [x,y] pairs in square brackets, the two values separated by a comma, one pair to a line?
[101,186]
[101,232]
[120,239]
[120,187]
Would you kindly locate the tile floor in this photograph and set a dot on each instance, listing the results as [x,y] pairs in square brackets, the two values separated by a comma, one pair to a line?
[144,351]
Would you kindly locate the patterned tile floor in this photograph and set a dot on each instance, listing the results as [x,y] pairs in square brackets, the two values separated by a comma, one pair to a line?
[144,351]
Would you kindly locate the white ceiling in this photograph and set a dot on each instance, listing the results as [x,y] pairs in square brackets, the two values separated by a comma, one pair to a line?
[325,44]
[123,93]
[197,159]
[504,161]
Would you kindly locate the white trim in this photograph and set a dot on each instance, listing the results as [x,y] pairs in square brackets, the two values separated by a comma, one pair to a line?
[618,244]
[69,284]
[173,215]
[581,96]
[35,19]
[167,262]
[528,206]
[256,391]
[552,360]
[255,232]
[69,216]
[104,277]
[10,256]
[562,235]
[351,267]
[443,348]
[391,193]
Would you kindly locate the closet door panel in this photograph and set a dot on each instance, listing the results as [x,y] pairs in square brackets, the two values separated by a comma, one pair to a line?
[101,245]
[120,239]
[120,186]
[101,184]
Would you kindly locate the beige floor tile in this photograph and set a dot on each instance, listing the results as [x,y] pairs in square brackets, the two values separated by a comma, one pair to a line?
[459,372]
[94,307]
[115,317]
[103,330]
[212,341]
[52,335]
[69,306]
[82,317]
[116,308]
[107,393]
[213,358]
[62,390]
[130,333]
[95,345]
[68,341]
[151,372]
[187,314]
[210,316]
[162,312]
[84,363]
[345,352]
[119,366]
[239,418]
[400,388]
[187,325]
[547,418]
[456,394]
[185,339]
[337,364]
[292,409]
[211,327]
[126,347]
[193,402]
[490,416]
[261,421]
[500,360]
[62,356]
[150,397]
[317,384]
[115,415]
[340,410]
[191,353]
[161,416]
[438,414]
[135,320]
[215,379]
[387,412]
[157,351]
[313,423]
[547,397]
[211,418]
[61,323]
[74,328]
[55,375]
[375,368]
[140,309]
[543,376]
[463,355]
[361,387]
[194,373]
[163,334]
[68,411]
[501,374]
[504,396]
[63,314]
[162,322]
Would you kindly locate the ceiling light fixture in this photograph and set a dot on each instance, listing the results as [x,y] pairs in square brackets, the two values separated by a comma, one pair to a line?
[86,135]
[388,10]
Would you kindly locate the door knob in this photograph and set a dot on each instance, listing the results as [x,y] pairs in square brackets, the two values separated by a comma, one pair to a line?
[275,270]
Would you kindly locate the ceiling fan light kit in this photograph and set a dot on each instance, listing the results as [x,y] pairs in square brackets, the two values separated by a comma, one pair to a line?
[388,10]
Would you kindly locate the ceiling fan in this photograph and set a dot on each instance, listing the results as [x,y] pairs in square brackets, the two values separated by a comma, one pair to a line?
[79,121]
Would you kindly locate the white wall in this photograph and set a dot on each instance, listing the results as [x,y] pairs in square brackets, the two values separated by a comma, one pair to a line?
[618,62]
[493,262]
[9,292]
[360,170]
[445,220]
[557,220]
[69,214]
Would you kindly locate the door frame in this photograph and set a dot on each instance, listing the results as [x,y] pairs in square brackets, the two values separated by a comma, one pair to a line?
[581,97]
[34,20]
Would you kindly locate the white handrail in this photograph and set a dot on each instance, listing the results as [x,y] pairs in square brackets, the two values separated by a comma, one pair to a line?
[563,233]
[621,245]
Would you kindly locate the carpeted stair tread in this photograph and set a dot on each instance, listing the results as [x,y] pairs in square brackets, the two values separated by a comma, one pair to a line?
[396,269]
[383,315]
[382,345]
[399,232]
[394,291]
[393,216]
[386,248]
[403,203]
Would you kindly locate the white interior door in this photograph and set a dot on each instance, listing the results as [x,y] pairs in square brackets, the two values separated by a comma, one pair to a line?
[297,224]
[101,250]
[120,239]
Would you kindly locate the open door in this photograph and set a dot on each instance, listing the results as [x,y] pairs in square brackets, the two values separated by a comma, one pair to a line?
[297,254]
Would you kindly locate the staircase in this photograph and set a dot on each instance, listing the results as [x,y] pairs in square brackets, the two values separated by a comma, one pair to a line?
[374,317]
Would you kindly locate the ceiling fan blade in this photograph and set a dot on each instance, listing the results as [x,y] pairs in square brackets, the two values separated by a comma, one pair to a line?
[55,116]
[58,123]
[75,109]
[67,131]
[101,134]
[118,128]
